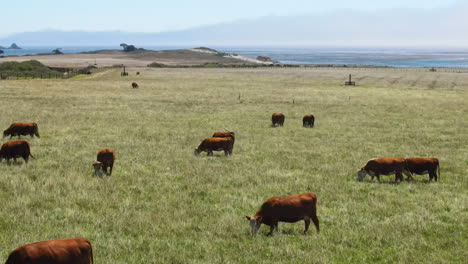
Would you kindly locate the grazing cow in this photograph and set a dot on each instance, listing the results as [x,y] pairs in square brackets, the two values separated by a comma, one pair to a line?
[137,73]
[15,149]
[216,144]
[308,121]
[134,85]
[227,134]
[277,119]
[384,166]
[422,166]
[106,157]
[289,209]
[58,251]
[21,129]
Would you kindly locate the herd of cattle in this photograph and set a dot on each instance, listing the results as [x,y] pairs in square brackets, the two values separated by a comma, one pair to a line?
[288,209]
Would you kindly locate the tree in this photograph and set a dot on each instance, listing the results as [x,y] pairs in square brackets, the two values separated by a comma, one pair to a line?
[128,48]
[57,51]
[1,52]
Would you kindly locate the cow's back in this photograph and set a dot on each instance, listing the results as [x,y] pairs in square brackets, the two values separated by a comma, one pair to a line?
[422,165]
[289,208]
[60,251]
[16,148]
[385,165]
[105,155]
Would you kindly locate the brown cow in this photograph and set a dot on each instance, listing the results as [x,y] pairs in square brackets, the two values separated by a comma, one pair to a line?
[216,144]
[384,166]
[21,129]
[107,158]
[15,149]
[289,209]
[423,166]
[227,134]
[58,251]
[277,119]
[134,85]
[308,121]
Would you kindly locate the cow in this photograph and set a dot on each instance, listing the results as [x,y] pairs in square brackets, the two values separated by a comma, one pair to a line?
[423,166]
[58,251]
[384,166]
[15,149]
[289,209]
[277,119]
[22,129]
[134,85]
[308,121]
[227,134]
[137,73]
[211,144]
[106,157]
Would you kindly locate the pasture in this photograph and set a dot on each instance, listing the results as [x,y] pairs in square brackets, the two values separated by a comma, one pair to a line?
[162,204]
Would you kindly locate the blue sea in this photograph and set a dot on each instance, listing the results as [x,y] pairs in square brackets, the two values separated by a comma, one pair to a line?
[409,57]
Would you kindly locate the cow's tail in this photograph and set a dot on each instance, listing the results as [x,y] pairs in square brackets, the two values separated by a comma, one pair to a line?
[91,254]
[438,169]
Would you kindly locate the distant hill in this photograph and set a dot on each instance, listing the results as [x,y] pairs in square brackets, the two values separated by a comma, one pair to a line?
[137,58]
[12,46]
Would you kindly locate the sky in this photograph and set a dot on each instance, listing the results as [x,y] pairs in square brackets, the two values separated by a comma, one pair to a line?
[170,15]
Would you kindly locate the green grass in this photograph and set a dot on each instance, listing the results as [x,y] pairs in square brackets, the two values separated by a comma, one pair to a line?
[164,205]
[31,67]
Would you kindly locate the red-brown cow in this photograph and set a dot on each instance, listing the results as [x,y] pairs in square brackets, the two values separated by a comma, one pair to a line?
[59,251]
[15,149]
[308,121]
[107,158]
[134,85]
[288,209]
[228,134]
[22,129]
[277,119]
[216,144]
[423,166]
[384,166]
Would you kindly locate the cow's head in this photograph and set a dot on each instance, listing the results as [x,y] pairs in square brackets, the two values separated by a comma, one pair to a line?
[97,168]
[255,223]
[361,174]
[196,152]
[6,133]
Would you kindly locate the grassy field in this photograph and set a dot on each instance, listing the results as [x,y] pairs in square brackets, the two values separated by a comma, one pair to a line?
[164,205]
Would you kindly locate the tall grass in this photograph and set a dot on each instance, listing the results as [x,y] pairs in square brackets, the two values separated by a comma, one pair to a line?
[164,205]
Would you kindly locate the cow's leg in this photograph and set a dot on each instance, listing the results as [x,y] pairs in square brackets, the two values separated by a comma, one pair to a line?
[398,176]
[378,177]
[272,227]
[276,227]
[26,158]
[432,175]
[110,172]
[307,223]
[409,176]
[210,153]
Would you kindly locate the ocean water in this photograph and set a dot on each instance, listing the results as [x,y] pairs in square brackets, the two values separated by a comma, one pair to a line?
[411,57]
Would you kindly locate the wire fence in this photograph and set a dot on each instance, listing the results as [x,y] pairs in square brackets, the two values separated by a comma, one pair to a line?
[26,75]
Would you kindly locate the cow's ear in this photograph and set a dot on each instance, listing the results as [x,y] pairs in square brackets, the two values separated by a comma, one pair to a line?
[248,217]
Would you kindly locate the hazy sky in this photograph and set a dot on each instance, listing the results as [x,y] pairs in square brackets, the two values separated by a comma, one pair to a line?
[168,15]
